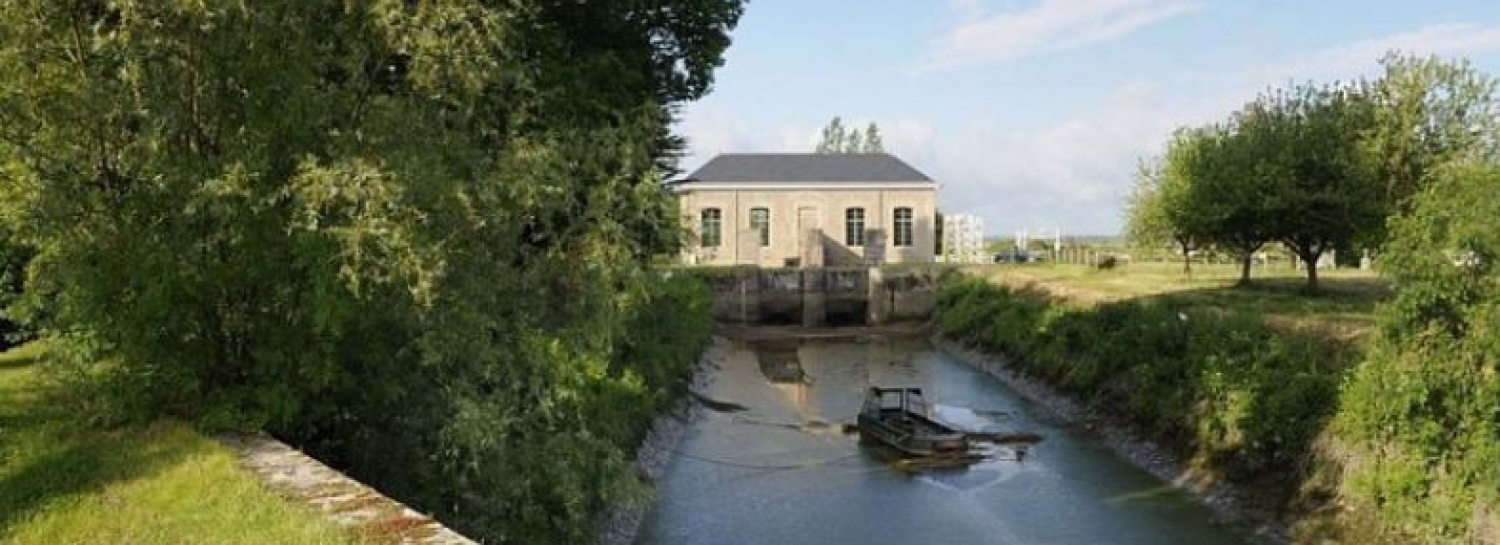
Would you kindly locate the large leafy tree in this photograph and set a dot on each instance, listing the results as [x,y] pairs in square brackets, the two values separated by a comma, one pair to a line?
[1161,210]
[1320,190]
[1227,201]
[405,233]
[1429,112]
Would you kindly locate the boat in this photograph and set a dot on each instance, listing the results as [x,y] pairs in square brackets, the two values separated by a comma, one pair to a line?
[897,417]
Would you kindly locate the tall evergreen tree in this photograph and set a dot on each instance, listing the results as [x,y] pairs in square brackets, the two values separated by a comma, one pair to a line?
[839,139]
[874,142]
[854,143]
[833,137]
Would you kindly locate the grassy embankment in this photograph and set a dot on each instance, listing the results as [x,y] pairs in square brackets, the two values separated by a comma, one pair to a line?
[65,482]
[1241,381]
[1344,307]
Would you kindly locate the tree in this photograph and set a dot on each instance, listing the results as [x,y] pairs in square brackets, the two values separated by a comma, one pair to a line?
[874,142]
[406,235]
[833,137]
[838,139]
[1160,208]
[854,142]
[1429,112]
[1223,201]
[1324,194]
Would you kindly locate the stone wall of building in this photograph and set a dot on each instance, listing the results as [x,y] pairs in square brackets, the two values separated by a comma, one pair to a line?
[793,212]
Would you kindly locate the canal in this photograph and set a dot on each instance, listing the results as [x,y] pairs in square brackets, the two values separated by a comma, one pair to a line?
[773,464]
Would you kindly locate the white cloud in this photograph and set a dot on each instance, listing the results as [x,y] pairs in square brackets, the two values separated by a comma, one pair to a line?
[1071,175]
[1350,60]
[710,132]
[1053,25]
[1440,39]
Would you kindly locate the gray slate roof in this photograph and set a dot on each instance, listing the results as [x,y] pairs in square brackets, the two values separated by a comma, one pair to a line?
[806,167]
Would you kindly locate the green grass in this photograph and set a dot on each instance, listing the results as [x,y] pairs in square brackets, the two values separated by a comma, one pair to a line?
[1343,308]
[63,482]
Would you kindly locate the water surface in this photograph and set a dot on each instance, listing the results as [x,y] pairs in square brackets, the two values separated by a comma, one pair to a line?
[783,472]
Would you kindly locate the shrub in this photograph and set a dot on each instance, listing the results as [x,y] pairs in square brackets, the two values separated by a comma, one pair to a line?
[1422,413]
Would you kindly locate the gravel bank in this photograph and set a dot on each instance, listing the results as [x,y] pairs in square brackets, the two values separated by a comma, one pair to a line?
[620,524]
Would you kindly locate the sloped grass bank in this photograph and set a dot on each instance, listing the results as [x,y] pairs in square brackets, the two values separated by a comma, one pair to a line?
[1238,399]
[63,481]
[1388,433]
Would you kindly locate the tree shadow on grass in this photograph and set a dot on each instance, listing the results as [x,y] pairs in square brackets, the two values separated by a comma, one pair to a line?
[19,357]
[1343,307]
[48,455]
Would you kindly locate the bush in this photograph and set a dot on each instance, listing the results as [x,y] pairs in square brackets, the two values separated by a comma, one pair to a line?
[1422,414]
[520,461]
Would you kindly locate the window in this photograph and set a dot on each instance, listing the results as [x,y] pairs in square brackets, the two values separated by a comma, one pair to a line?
[854,227]
[903,227]
[760,220]
[713,220]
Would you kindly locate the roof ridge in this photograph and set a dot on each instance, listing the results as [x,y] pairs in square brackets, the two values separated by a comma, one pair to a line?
[807,167]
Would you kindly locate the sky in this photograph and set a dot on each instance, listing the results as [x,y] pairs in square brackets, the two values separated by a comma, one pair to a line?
[1035,114]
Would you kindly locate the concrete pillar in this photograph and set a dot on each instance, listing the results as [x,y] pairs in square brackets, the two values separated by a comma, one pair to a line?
[814,298]
[747,294]
[877,309]
[812,248]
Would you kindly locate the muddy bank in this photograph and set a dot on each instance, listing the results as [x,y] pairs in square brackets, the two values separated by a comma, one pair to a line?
[622,521]
[1229,505]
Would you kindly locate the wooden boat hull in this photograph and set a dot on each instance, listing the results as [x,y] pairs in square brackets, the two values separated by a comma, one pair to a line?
[913,435]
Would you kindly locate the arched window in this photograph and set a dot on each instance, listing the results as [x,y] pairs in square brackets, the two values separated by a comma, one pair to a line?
[712,231]
[760,220]
[903,227]
[854,227]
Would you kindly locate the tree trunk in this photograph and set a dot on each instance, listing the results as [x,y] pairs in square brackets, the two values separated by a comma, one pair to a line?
[1310,260]
[1245,268]
[1187,258]
[1312,275]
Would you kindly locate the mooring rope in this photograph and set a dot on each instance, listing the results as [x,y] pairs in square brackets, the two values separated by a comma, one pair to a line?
[763,467]
[813,423]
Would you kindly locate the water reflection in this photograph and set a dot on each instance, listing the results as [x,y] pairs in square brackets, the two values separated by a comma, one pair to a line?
[784,472]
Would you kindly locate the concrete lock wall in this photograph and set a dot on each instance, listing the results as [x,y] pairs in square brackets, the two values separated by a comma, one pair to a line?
[810,297]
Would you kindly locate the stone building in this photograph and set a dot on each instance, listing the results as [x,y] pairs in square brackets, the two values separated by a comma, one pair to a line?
[808,210]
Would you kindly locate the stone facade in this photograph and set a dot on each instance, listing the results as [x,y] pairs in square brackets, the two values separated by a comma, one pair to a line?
[799,213]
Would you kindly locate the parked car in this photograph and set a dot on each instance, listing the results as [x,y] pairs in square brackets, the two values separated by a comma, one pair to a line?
[1015,255]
